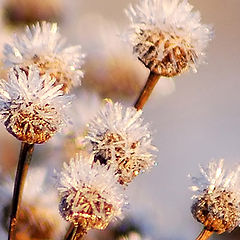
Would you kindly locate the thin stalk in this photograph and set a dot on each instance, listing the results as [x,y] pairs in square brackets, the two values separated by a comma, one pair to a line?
[147,90]
[22,169]
[75,232]
[204,235]
[69,232]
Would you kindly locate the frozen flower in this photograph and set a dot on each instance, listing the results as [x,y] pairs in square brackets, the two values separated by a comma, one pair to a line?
[90,195]
[167,35]
[31,107]
[42,45]
[217,199]
[121,140]
[38,215]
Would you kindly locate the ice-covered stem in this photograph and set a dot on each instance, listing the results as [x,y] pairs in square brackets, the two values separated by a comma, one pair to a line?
[22,169]
[147,90]
[75,232]
[204,235]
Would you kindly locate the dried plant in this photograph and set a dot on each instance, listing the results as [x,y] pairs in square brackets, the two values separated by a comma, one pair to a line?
[112,142]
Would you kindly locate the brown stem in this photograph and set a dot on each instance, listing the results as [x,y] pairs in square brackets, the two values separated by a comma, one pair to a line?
[69,232]
[147,90]
[22,169]
[204,235]
[75,232]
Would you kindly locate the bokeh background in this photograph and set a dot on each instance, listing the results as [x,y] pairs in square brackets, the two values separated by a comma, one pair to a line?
[194,117]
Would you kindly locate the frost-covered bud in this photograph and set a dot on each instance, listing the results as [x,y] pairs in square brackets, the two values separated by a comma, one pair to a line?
[31,107]
[217,202]
[167,35]
[42,45]
[120,139]
[90,195]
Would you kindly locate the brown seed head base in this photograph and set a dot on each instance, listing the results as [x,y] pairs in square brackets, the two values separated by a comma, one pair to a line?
[54,67]
[86,207]
[29,125]
[164,54]
[217,211]
[127,163]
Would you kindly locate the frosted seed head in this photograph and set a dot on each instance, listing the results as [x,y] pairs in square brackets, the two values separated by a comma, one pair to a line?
[42,45]
[90,195]
[217,202]
[207,210]
[120,139]
[167,36]
[31,107]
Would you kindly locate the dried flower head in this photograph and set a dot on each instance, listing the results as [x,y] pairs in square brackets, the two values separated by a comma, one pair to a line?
[42,45]
[90,195]
[31,107]
[167,35]
[217,203]
[119,139]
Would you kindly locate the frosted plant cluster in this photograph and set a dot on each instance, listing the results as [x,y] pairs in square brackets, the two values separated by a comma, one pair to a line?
[114,143]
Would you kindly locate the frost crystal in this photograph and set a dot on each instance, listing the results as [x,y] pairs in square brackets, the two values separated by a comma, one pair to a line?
[217,203]
[31,107]
[167,35]
[90,195]
[42,45]
[119,139]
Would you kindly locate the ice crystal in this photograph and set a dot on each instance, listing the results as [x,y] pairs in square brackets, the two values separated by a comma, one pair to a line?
[31,107]
[217,202]
[121,140]
[90,195]
[42,45]
[167,35]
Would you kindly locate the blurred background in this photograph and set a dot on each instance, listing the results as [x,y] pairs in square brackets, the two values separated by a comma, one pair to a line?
[194,117]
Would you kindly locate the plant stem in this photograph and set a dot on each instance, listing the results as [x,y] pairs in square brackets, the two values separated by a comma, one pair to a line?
[204,235]
[75,232]
[69,232]
[22,169]
[147,90]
